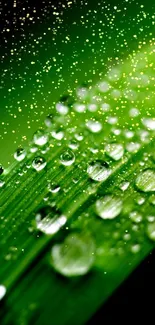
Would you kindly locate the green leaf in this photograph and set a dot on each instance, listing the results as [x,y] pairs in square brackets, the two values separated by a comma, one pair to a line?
[77,206]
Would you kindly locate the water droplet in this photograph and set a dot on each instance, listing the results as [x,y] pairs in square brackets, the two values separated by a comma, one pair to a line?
[40,138]
[104,86]
[140,200]
[135,248]
[133,146]
[57,134]
[105,107]
[49,121]
[1,183]
[152,199]
[127,237]
[53,188]
[75,256]
[114,151]
[135,216]
[20,154]
[145,181]
[109,207]
[80,108]
[98,171]
[33,149]
[92,107]
[67,158]
[49,220]
[82,92]
[39,163]
[112,120]
[149,123]
[62,109]
[151,231]
[73,144]
[2,291]
[134,112]
[124,186]
[94,126]
[150,218]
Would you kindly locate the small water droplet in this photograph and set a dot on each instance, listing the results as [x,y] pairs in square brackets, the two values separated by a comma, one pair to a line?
[105,107]
[75,256]
[98,170]
[49,121]
[140,200]
[67,158]
[57,134]
[135,216]
[49,220]
[53,188]
[82,91]
[20,154]
[40,138]
[135,248]
[145,181]
[39,163]
[133,146]
[104,86]
[92,107]
[124,186]
[114,151]
[112,120]
[134,112]
[109,207]
[150,218]
[2,183]
[94,126]
[73,144]
[62,109]
[80,108]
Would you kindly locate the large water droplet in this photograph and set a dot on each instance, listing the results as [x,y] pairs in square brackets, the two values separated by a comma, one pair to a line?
[67,158]
[20,154]
[149,123]
[75,256]
[114,151]
[40,138]
[2,291]
[145,181]
[109,207]
[49,220]
[39,163]
[98,171]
